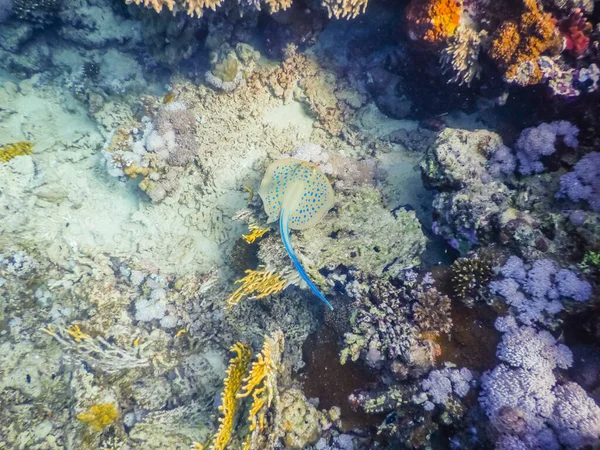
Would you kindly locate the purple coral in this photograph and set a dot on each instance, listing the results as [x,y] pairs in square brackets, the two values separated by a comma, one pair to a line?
[537,294]
[525,405]
[569,285]
[441,383]
[576,417]
[502,162]
[535,142]
[583,183]
[528,348]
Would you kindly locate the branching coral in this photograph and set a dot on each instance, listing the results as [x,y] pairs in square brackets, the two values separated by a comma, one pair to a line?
[9,151]
[347,9]
[517,44]
[256,232]
[470,277]
[257,284]
[461,55]
[576,31]
[431,312]
[100,416]
[433,21]
[98,352]
[238,367]
[261,382]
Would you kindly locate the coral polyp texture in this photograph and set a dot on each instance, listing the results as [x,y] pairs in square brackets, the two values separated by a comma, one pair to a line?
[257,284]
[517,43]
[433,21]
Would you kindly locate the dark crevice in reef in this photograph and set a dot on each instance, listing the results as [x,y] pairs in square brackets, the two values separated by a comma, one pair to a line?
[331,382]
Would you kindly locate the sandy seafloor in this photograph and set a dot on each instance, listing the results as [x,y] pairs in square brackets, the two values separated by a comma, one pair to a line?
[86,246]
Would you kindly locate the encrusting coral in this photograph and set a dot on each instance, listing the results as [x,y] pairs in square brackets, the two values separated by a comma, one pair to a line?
[100,416]
[433,21]
[9,151]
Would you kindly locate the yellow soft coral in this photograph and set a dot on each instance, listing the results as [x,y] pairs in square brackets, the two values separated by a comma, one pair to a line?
[256,232]
[238,367]
[261,382]
[433,21]
[100,416]
[347,9]
[257,284]
[9,151]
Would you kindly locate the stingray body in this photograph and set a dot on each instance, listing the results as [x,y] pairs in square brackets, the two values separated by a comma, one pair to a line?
[299,194]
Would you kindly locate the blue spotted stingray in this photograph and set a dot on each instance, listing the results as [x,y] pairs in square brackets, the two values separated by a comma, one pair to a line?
[299,194]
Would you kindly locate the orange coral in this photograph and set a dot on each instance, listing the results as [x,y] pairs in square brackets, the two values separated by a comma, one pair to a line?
[433,21]
[517,44]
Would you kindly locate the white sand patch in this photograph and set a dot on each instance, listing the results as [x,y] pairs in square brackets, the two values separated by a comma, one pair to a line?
[290,115]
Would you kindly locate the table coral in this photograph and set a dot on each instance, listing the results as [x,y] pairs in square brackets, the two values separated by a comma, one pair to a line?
[433,21]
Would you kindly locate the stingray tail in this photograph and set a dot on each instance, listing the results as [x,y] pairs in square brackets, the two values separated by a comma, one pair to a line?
[285,236]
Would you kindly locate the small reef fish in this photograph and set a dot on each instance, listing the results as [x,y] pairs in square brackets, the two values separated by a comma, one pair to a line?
[299,194]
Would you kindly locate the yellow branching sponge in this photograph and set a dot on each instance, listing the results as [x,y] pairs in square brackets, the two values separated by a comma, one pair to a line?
[261,382]
[256,232]
[100,416]
[238,367]
[257,284]
[9,151]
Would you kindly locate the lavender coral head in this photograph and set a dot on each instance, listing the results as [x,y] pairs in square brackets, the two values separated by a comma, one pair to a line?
[583,183]
[535,142]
